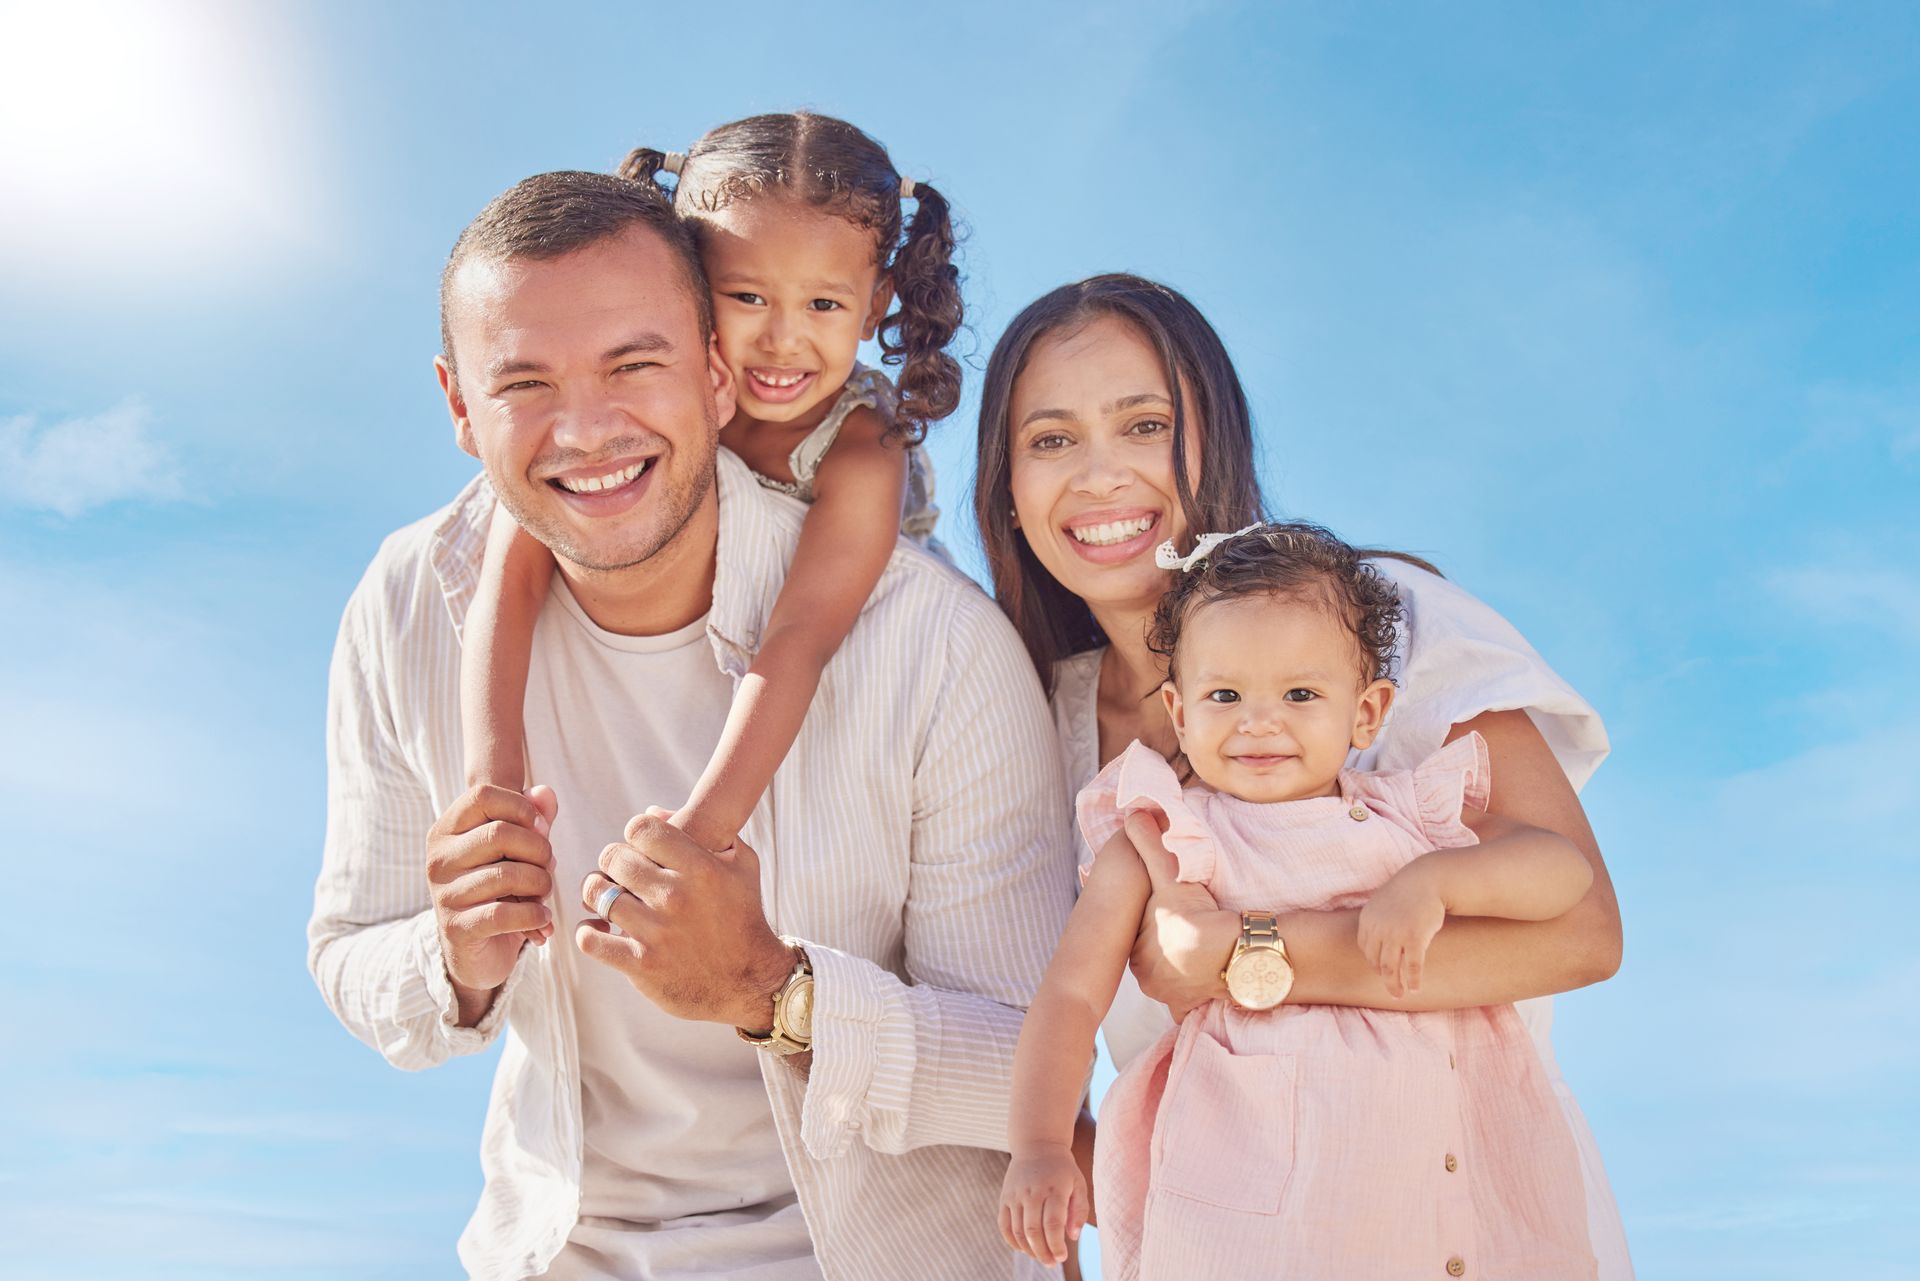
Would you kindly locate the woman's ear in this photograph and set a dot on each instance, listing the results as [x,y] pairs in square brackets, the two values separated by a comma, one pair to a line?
[877,308]
[1375,701]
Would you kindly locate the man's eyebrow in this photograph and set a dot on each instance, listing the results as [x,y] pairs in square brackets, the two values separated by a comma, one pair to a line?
[1121,405]
[639,345]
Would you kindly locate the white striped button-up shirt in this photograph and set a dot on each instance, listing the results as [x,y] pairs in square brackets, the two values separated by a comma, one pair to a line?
[915,840]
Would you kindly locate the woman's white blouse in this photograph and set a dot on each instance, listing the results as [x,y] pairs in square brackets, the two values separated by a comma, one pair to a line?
[1458,659]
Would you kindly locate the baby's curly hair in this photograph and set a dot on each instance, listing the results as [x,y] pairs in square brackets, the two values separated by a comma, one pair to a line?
[1295,561]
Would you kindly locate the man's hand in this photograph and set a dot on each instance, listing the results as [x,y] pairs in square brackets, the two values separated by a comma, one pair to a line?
[1185,937]
[490,868]
[696,941]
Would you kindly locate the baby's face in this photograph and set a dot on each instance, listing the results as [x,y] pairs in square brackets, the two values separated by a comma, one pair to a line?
[1268,695]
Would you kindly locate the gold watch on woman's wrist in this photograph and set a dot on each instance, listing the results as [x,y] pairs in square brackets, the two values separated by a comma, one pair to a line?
[1258,974]
[792,1031]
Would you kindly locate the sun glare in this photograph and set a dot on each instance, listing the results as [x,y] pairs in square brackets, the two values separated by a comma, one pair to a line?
[149,139]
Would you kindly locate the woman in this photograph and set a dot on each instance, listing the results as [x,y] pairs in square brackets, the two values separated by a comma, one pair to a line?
[1112,420]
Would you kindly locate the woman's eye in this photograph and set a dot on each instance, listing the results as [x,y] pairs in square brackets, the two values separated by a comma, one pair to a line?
[1051,441]
[1301,696]
[1150,427]
[824,304]
[1224,696]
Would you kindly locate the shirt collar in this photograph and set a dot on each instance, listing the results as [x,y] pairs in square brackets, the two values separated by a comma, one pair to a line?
[746,577]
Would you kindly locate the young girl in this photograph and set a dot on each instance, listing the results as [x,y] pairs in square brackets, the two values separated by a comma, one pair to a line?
[800,222]
[1298,1141]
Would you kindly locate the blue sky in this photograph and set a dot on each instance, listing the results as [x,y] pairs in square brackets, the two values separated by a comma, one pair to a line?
[1609,313]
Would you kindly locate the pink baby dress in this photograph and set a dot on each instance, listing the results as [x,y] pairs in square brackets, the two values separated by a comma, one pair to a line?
[1327,1143]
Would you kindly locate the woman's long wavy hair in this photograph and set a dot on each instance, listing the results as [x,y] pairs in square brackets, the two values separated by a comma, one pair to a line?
[1052,621]
[832,166]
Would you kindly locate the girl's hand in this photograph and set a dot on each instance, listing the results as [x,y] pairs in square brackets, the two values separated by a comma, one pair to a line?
[1398,923]
[1185,937]
[1043,1203]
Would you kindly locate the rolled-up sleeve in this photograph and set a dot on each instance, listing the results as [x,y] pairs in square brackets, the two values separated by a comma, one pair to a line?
[900,1064]
[372,944]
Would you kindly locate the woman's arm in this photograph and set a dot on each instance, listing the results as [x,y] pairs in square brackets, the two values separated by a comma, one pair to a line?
[1473,960]
[1044,1201]
[845,543]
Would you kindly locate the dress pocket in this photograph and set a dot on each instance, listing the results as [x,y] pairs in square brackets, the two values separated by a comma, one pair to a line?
[1225,1131]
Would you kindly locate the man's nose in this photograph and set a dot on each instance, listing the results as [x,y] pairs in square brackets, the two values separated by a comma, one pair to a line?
[587,419]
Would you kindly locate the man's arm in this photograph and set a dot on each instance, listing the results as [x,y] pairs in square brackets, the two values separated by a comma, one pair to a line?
[898,1065]
[374,943]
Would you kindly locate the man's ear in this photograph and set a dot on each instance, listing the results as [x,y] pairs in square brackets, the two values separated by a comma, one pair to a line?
[877,309]
[720,379]
[1176,710]
[1375,701]
[456,406]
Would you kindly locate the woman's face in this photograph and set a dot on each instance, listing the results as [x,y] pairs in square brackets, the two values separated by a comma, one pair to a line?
[1091,441]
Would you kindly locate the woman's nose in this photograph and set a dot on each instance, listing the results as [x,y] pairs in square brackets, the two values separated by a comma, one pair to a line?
[1101,472]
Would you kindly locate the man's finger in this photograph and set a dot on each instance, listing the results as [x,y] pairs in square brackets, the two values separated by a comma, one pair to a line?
[485,803]
[490,842]
[599,944]
[630,912]
[633,872]
[489,919]
[493,881]
[664,844]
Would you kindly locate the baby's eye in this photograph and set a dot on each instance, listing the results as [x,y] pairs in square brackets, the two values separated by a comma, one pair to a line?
[1223,696]
[1301,696]
[751,300]
[824,304]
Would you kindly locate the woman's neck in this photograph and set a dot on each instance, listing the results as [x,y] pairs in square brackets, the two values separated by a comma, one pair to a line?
[1128,703]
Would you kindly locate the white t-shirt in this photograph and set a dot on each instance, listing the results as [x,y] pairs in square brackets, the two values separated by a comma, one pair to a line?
[682,1170]
[1459,659]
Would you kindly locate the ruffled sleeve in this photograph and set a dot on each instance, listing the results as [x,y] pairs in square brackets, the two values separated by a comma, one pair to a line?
[1139,779]
[1453,778]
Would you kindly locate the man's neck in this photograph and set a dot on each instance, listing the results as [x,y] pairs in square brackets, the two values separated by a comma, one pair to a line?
[669,590]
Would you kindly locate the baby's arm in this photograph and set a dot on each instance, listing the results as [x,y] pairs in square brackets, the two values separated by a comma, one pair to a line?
[496,648]
[845,543]
[1516,872]
[1044,1201]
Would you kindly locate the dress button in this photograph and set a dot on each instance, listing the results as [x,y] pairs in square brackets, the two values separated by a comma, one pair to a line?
[1456,1266]
[1358,813]
[1452,1163]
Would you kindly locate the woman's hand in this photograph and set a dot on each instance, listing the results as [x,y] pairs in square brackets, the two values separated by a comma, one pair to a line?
[1185,936]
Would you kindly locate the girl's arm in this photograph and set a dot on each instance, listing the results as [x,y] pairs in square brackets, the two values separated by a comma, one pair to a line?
[1044,1201]
[1473,960]
[1516,872]
[845,543]
[497,644]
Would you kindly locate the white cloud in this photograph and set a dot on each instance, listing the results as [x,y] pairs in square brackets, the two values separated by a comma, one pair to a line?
[76,464]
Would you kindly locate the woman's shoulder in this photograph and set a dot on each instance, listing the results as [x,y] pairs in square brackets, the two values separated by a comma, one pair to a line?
[1459,658]
[1076,718]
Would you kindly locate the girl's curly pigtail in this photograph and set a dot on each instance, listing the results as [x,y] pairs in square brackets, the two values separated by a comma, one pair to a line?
[644,164]
[926,284]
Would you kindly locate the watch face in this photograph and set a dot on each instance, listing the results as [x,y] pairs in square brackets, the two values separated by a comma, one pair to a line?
[797,1014]
[1259,979]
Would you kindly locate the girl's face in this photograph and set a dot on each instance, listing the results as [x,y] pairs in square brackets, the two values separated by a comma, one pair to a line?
[1091,443]
[1267,697]
[795,292]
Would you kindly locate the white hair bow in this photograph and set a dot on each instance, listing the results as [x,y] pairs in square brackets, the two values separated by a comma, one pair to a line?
[1166,557]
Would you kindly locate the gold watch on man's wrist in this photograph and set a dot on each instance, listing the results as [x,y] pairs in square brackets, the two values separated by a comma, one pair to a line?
[792,1031]
[1258,974]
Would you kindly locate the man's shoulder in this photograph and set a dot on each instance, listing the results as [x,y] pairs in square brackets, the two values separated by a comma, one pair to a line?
[411,567]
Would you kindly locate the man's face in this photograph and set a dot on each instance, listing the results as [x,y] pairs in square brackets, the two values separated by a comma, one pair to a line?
[586,391]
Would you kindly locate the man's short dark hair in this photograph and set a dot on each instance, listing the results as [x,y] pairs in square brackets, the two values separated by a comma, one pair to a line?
[551,215]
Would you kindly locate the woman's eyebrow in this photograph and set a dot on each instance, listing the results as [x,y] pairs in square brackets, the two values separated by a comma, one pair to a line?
[1111,407]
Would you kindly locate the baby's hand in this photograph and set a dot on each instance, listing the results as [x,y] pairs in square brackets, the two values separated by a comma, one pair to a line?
[1398,923]
[1043,1203]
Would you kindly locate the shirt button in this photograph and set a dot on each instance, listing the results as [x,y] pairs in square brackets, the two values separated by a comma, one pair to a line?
[1456,1266]
[1358,813]
[1452,1163]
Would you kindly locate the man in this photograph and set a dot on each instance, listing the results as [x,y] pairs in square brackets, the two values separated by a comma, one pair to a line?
[910,851]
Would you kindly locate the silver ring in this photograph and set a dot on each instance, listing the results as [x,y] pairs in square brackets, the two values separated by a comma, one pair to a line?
[603,901]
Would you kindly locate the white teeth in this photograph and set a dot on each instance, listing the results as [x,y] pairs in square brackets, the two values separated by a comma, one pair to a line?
[1118,531]
[791,380]
[612,480]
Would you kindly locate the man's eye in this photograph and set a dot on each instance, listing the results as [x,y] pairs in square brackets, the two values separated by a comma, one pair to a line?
[1224,696]
[632,365]
[525,384]
[1301,696]
[824,304]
